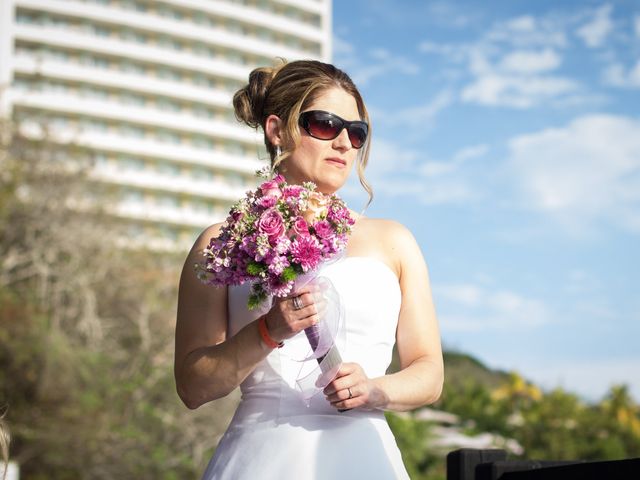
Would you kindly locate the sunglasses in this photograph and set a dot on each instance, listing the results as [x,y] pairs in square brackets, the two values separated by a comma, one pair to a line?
[327,126]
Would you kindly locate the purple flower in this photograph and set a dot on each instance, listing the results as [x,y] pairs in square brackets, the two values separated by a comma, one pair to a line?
[292,191]
[278,264]
[306,251]
[236,215]
[271,224]
[278,288]
[282,245]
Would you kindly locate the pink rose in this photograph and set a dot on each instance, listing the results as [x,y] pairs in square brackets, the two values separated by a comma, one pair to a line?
[323,229]
[271,224]
[300,226]
[268,201]
[316,207]
[271,189]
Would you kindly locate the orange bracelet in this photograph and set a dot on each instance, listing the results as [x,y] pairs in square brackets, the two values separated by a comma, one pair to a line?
[264,333]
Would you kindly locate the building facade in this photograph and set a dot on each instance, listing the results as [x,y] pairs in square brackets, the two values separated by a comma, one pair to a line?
[145,88]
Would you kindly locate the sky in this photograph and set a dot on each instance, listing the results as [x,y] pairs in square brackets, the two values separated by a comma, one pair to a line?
[506,137]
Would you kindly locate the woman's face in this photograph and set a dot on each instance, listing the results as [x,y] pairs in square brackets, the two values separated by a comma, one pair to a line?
[327,163]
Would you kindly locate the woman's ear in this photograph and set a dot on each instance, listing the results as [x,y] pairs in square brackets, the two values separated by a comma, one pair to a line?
[273,129]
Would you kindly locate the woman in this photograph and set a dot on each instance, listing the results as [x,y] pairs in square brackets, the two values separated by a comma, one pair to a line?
[315,126]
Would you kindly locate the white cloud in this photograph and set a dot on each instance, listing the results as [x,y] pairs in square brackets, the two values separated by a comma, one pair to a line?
[528,31]
[516,91]
[525,23]
[595,32]
[399,172]
[588,170]
[515,80]
[379,62]
[617,76]
[471,308]
[471,152]
[516,63]
[530,61]
[419,116]
[451,51]
[513,64]
[384,63]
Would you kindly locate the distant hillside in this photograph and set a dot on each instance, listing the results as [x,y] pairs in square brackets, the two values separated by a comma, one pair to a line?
[459,368]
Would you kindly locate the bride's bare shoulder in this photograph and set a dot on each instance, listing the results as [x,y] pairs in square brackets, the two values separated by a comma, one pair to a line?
[207,234]
[382,228]
[387,240]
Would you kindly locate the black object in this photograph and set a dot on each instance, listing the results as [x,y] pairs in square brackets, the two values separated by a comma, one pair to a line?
[461,464]
[500,470]
[627,469]
[472,464]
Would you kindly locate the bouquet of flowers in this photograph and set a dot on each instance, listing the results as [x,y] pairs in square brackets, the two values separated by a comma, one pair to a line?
[273,235]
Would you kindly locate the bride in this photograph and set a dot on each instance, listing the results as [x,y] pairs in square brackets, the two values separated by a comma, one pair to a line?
[316,128]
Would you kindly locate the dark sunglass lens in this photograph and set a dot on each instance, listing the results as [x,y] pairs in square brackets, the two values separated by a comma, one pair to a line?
[357,135]
[324,127]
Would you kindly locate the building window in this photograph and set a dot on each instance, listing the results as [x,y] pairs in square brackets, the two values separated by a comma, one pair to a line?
[168,136]
[132,131]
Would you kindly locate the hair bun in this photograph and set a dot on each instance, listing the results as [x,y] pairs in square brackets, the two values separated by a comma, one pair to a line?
[248,102]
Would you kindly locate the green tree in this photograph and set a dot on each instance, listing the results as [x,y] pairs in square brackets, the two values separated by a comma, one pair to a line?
[86,330]
[413,438]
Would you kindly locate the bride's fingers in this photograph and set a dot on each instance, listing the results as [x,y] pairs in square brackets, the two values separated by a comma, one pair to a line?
[342,395]
[321,307]
[306,322]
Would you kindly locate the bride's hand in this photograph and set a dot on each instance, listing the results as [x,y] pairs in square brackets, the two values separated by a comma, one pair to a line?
[290,315]
[353,389]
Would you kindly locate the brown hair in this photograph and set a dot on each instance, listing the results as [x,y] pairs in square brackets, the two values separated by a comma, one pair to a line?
[287,89]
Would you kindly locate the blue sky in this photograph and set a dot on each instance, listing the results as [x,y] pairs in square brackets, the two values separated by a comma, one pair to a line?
[506,136]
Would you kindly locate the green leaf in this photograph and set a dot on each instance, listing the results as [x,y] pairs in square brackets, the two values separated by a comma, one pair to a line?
[255,268]
[289,274]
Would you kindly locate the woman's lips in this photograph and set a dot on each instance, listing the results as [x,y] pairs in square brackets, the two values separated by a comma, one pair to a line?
[337,161]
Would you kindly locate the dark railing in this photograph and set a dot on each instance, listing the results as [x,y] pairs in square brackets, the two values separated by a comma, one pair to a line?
[472,464]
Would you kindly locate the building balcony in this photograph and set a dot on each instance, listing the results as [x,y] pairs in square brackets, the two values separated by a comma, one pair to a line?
[212,189]
[51,68]
[166,215]
[71,105]
[256,16]
[195,33]
[137,52]
[180,154]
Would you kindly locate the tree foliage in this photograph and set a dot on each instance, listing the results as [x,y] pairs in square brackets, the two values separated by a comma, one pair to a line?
[554,425]
[86,332]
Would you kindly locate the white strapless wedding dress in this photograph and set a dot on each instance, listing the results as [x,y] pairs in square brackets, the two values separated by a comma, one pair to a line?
[275,434]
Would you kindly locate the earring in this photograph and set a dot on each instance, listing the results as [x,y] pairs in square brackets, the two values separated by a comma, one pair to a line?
[278,151]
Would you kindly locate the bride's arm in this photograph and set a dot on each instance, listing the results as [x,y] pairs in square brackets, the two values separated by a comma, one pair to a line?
[420,379]
[207,364]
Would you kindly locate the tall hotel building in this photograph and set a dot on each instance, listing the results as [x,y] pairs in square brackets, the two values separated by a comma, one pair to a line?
[145,88]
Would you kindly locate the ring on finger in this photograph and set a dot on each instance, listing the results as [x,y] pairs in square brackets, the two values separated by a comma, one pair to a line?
[350,394]
[297,303]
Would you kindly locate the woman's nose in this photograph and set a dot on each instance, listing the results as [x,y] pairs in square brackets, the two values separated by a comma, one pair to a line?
[342,140]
